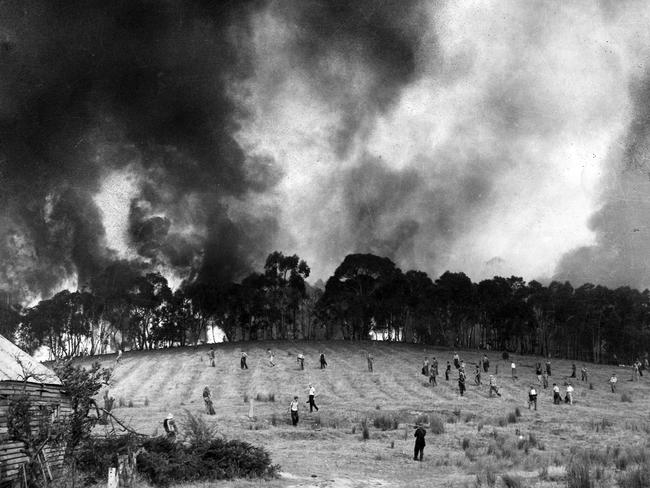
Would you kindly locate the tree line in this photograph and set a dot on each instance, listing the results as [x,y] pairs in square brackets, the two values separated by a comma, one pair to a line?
[368,296]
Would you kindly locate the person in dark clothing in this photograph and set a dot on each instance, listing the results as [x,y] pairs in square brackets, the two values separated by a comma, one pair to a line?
[207,398]
[323,363]
[557,398]
[301,361]
[461,383]
[434,365]
[548,367]
[486,363]
[419,435]
[573,370]
[312,394]
[447,371]
[211,354]
[477,375]
[433,372]
[456,360]
[242,361]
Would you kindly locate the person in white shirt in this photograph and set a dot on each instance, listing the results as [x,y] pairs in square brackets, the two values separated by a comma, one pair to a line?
[569,394]
[293,408]
[612,382]
[513,368]
[312,394]
[532,397]
[557,399]
[301,360]
[242,361]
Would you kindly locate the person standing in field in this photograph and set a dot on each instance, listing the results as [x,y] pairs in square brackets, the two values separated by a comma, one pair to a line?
[447,371]
[370,360]
[293,409]
[545,379]
[301,361]
[532,397]
[434,365]
[170,427]
[513,370]
[461,382]
[312,394]
[573,370]
[425,367]
[477,375]
[612,382]
[207,398]
[433,372]
[456,360]
[242,361]
[557,398]
[538,372]
[548,367]
[323,363]
[271,357]
[569,394]
[493,386]
[486,363]
[211,356]
[418,451]
[635,372]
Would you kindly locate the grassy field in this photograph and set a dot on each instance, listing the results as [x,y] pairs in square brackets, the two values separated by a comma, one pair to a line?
[485,439]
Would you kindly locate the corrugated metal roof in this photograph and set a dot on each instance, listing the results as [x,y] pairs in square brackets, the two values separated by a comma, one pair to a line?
[16,364]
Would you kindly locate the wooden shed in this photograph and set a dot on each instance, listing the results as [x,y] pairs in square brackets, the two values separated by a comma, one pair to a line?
[24,379]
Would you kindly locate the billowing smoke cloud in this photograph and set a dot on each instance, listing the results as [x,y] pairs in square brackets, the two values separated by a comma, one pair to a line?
[474,140]
[96,92]
[620,256]
[195,137]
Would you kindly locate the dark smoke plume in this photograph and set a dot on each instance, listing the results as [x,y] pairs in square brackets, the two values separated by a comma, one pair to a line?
[89,87]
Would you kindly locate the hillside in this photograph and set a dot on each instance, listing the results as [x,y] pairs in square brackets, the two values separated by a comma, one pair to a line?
[157,382]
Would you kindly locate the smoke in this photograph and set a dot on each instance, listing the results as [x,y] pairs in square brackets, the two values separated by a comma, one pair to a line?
[475,139]
[622,224]
[195,137]
[116,121]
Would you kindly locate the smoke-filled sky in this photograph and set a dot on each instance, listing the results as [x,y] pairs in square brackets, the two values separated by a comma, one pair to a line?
[195,137]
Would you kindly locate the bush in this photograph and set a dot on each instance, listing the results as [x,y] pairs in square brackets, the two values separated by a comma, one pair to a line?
[511,418]
[437,426]
[505,355]
[146,401]
[512,481]
[465,443]
[385,422]
[164,462]
[130,404]
[577,474]
[626,398]
[197,430]
[265,397]
[422,419]
[96,455]
[637,478]
[517,412]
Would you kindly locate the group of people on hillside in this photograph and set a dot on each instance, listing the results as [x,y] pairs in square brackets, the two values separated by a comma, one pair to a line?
[430,368]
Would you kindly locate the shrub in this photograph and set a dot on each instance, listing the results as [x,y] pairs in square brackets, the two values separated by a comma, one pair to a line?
[465,443]
[591,386]
[392,444]
[626,398]
[505,355]
[265,397]
[164,462]
[130,404]
[637,478]
[577,474]
[246,398]
[511,481]
[518,412]
[512,418]
[480,426]
[354,429]
[121,403]
[422,419]
[95,455]
[146,401]
[490,478]
[196,429]
[436,426]
[365,432]
[385,422]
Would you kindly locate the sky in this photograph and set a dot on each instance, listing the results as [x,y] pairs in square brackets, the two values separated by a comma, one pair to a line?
[193,138]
